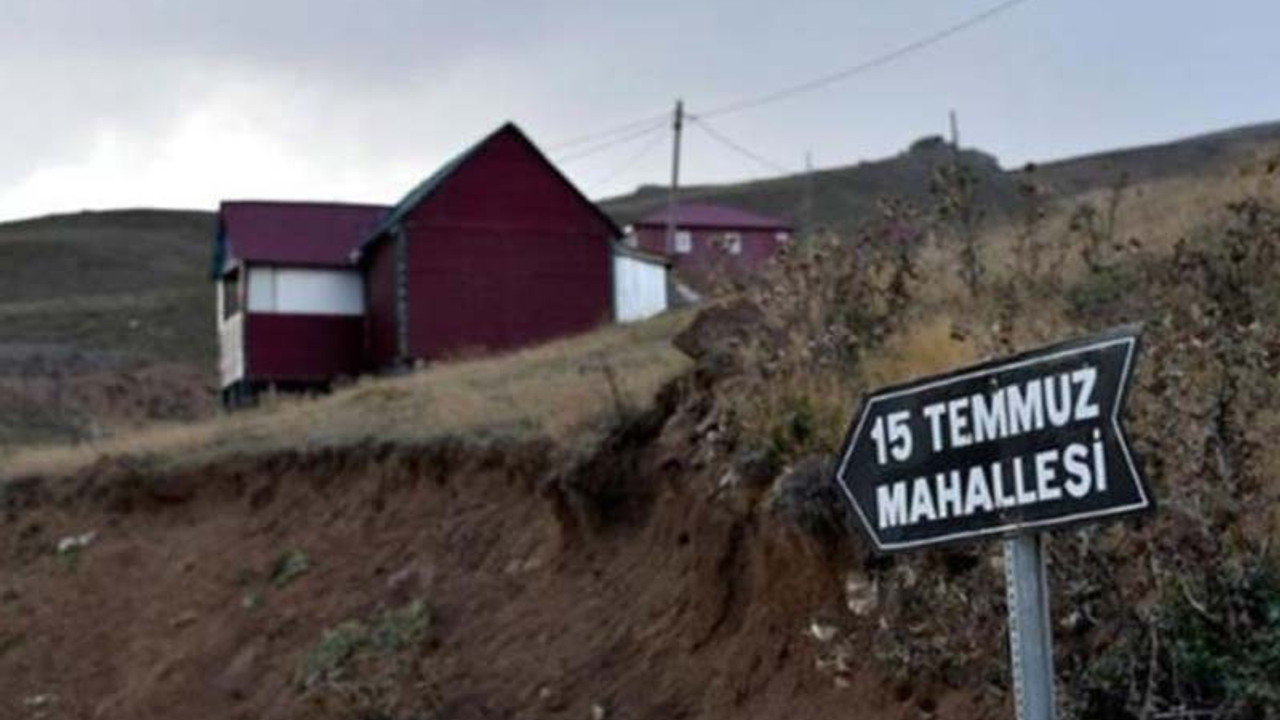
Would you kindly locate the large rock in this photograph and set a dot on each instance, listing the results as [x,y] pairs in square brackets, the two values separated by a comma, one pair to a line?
[718,331]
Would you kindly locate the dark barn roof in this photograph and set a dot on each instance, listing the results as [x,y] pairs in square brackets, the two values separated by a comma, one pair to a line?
[433,182]
[314,234]
[705,215]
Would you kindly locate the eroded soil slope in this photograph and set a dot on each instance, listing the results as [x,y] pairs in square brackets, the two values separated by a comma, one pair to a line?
[456,580]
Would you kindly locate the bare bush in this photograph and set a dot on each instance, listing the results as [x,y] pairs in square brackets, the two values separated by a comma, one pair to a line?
[960,217]
[825,302]
[1174,616]
[1098,228]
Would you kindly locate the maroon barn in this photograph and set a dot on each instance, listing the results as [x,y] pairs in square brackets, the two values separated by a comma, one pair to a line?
[711,240]
[290,303]
[495,250]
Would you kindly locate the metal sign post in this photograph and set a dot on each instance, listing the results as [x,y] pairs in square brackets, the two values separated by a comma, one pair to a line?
[1030,632]
[1008,449]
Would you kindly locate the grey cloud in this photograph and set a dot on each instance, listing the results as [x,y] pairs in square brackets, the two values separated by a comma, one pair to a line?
[391,87]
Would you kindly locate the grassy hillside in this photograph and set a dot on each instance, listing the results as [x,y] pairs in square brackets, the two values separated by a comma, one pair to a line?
[132,283]
[838,198]
[842,198]
[560,388]
[105,322]
[106,317]
[1188,158]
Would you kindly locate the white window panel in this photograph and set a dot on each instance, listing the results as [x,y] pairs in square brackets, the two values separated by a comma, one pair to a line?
[262,289]
[684,242]
[319,292]
[305,291]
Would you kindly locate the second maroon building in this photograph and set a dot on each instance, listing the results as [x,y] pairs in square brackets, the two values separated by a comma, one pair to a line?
[711,241]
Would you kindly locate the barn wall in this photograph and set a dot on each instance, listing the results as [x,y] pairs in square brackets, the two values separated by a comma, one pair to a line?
[302,325]
[639,288]
[504,254]
[493,290]
[380,295]
[301,348]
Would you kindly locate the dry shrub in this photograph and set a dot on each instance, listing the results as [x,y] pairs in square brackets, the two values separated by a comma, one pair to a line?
[824,303]
[1202,414]
[960,217]
[923,347]
[1174,616]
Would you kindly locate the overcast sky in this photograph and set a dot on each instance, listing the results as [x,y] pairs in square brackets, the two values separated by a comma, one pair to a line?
[111,103]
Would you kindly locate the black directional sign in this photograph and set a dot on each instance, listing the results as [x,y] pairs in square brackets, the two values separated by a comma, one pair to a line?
[1026,442]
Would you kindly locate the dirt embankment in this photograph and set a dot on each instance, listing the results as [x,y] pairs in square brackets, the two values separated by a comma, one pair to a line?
[456,580]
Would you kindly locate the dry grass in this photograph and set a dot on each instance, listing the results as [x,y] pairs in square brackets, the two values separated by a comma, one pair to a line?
[1158,213]
[559,390]
[823,348]
[922,348]
[1202,415]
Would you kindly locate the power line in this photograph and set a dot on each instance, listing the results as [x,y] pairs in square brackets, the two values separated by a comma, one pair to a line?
[624,128]
[631,161]
[809,170]
[739,148]
[864,66]
[654,126]
[639,128]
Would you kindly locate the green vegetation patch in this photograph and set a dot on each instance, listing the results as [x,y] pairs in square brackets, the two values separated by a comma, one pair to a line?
[1104,288]
[288,567]
[392,631]
[1227,650]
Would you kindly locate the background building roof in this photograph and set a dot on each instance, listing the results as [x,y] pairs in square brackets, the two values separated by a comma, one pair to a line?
[705,215]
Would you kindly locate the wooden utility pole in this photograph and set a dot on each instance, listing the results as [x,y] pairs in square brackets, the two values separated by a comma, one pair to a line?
[955,133]
[672,202]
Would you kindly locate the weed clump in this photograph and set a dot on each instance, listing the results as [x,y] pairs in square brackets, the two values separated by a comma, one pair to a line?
[289,566]
[325,662]
[1228,652]
[824,304]
[1207,651]
[372,668]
